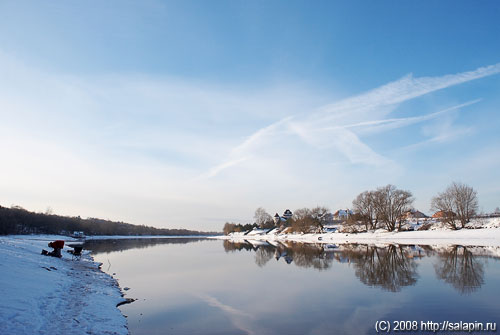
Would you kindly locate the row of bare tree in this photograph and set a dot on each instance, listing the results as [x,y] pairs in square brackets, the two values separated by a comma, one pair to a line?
[388,205]
[383,207]
[303,219]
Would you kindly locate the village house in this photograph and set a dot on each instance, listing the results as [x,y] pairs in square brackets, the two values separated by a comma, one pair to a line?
[287,214]
[443,214]
[342,214]
[414,214]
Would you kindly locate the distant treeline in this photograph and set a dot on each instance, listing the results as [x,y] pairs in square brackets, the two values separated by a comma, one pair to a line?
[17,220]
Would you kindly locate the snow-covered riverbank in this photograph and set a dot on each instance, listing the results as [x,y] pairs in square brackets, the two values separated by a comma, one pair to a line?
[489,236]
[48,295]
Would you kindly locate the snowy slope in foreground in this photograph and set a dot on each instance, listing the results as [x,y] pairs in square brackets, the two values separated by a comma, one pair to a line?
[48,295]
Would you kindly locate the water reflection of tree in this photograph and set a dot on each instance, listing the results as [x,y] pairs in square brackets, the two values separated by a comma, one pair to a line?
[230,246]
[303,255]
[308,256]
[390,267]
[264,254]
[460,268]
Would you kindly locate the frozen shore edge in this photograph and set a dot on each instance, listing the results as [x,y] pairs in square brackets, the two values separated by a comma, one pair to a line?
[465,237]
[48,295]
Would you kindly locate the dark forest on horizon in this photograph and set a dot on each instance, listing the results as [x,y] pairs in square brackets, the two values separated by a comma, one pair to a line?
[17,220]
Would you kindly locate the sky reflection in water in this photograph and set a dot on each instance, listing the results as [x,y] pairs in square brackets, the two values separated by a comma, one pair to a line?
[193,286]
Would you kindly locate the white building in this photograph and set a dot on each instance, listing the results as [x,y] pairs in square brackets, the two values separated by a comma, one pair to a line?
[342,214]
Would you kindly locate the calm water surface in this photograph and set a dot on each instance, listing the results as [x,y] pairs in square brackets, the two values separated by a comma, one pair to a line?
[198,286]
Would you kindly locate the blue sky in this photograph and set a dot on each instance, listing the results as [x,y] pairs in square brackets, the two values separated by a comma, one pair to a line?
[193,113]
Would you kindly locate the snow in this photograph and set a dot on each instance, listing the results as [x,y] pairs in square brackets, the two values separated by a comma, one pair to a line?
[488,235]
[48,295]
[257,231]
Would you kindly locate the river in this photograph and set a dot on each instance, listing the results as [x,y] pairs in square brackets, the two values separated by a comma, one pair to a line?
[206,286]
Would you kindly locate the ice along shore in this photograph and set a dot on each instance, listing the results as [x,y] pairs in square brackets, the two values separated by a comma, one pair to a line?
[48,295]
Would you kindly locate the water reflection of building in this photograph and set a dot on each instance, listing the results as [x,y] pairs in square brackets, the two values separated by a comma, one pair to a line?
[282,252]
[414,251]
[334,252]
[342,259]
[278,253]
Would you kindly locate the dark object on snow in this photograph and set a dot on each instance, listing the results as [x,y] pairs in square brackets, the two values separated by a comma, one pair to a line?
[76,252]
[49,269]
[126,301]
[57,246]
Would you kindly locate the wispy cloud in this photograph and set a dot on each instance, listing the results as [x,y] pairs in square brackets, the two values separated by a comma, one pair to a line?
[401,90]
[440,132]
[216,169]
[242,152]
[392,123]
[338,126]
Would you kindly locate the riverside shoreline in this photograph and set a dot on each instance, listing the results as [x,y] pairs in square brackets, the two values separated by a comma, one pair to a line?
[48,295]
[489,236]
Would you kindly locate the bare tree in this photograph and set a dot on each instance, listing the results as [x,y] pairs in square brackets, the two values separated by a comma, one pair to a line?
[457,202]
[390,205]
[466,202]
[318,215]
[444,204]
[307,220]
[364,206]
[302,220]
[263,218]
